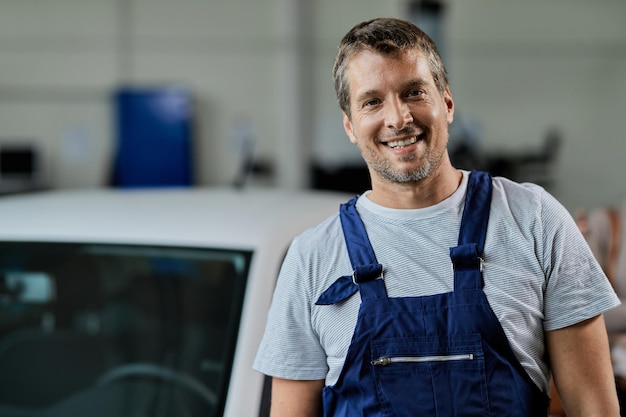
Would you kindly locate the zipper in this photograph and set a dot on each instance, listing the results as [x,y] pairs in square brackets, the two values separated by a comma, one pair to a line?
[386,360]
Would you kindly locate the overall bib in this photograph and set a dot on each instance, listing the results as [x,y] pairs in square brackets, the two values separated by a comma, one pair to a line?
[437,356]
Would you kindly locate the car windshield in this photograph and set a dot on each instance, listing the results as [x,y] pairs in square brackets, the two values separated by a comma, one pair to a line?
[117,330]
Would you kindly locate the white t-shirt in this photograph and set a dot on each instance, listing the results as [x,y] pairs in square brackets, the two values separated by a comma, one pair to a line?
[539,275]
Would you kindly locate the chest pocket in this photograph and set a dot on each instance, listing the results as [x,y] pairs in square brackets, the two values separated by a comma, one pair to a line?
[432,374]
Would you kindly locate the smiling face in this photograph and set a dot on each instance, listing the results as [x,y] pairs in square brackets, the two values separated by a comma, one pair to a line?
[398,117]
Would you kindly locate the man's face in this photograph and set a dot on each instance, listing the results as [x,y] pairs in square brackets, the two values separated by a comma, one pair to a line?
[399,119]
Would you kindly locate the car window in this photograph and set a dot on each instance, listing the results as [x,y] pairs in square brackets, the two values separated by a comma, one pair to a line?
[117,330]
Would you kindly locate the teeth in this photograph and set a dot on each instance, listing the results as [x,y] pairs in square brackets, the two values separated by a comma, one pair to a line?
[402,143]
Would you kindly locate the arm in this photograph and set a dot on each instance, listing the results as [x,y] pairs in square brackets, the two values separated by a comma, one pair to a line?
[296,398]
[582,370]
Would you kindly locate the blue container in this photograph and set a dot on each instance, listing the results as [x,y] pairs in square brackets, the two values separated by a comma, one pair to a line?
[154,138]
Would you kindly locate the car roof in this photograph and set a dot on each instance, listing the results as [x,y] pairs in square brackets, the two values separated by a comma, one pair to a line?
[193,216]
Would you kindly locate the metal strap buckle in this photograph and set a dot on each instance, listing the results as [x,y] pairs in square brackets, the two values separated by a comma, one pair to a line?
[481,263]
[381,276]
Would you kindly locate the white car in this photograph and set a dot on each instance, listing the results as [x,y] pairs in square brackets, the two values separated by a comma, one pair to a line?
[142,302]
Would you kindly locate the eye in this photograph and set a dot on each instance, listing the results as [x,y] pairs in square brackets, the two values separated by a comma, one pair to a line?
[372,102]
[414,93]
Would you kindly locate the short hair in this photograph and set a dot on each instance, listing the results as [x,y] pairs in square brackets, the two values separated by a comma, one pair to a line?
[387,36]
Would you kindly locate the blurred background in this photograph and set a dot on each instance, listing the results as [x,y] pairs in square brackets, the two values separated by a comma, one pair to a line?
[98,93]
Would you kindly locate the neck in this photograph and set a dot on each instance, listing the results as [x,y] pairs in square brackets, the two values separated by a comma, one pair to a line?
[438,186]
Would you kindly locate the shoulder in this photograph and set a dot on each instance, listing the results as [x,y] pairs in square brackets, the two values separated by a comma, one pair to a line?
[528,213]
[319,234]
[315,259]
[516,191]
[526,199]
[316,247]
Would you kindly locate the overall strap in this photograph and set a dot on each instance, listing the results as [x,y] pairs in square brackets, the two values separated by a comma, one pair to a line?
[476,210]
[365,266]
[360,251]
[467,256]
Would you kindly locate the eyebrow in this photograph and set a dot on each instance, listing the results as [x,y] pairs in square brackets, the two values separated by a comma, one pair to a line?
[414,83]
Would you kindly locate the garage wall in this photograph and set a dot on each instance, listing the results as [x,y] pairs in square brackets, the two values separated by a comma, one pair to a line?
[523,67]
[261,69]
[58,61]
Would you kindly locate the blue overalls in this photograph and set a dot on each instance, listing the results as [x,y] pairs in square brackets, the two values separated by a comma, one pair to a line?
[439,355]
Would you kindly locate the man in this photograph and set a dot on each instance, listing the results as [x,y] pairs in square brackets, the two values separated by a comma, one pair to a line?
[439,292]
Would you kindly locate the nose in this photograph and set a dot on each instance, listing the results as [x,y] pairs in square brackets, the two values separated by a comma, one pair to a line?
[397,114]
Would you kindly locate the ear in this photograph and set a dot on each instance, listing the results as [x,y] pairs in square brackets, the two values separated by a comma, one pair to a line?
[347,126]
[447,99]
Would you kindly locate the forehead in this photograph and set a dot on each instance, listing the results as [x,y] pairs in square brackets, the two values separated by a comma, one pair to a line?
[368,69]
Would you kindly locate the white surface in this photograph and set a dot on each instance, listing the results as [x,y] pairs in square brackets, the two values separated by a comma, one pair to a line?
[196,216]
[263,221]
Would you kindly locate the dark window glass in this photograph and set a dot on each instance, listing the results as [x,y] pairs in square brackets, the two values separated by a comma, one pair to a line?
[110,330]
